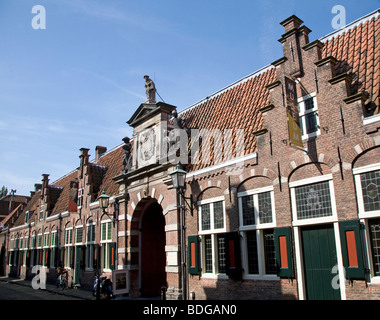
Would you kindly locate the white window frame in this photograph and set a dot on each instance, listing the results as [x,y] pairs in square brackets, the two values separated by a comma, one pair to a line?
[70,229]
[108,224]
[359,193]
[89,226]
[255,193]
[214,237]
[42,208]
[364,216]
[42,241]
[76,235]
[46,244]
[212,229]
[80,196]
[319,220]
[258,228]
[303,113]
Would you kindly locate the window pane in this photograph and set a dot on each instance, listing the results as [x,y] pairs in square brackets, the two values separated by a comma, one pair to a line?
[309,104]
[205,217]
[374,226]
[248,210]
[221,254]
[311,122]
[265,207]
[253,262]
[79,235]
[104,231]
[313,201]
[218,215]
[208,254]
[270,252]
[109,231]
[371,190]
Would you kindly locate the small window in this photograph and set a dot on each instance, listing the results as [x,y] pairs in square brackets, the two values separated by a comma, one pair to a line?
[80,198]
[79,235]
[69,237]
[106,231]
[42,212]
[90,232]
[370,185]
[374,228]
[308,114]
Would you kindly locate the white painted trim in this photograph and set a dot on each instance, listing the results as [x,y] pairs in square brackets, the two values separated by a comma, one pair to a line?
[372,119]
[364,169]
[359,192]
[221,165]
[310,180]
[319,220]
[342,278]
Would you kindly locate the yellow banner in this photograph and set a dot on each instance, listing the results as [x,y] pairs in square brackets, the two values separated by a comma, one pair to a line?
[295,134]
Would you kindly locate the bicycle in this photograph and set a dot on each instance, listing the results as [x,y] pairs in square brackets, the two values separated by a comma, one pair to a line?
[62,279]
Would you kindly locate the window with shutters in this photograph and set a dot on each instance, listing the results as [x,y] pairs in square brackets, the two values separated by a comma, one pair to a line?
[257,219]
[211,214]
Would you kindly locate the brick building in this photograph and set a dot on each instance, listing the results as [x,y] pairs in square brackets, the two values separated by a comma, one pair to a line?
[286,201]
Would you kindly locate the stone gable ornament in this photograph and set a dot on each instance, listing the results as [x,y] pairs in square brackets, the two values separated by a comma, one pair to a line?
[127,157]
[150,90]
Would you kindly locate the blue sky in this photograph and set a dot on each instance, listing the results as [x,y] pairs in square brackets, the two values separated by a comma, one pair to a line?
[76,83]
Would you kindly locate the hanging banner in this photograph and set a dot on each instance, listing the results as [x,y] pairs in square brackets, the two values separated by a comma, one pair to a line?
[295,134]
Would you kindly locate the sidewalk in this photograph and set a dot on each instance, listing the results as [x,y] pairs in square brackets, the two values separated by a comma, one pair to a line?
[76,293]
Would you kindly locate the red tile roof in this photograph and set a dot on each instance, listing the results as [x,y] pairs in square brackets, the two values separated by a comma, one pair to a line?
[357,49]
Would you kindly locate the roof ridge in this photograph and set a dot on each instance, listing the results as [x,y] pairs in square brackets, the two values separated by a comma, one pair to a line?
[350,26]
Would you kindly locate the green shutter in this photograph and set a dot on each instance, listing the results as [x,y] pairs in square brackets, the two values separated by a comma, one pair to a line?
[352,252]
[112,255]
[284,252]
[193,248]
[233,258]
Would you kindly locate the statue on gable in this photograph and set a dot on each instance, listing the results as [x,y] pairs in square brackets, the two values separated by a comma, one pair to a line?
[150,90]
[127,157]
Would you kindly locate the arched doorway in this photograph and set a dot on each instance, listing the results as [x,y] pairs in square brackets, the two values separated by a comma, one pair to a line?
[153,257]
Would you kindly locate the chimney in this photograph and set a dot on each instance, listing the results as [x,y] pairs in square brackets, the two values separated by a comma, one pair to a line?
[84,156]
[294,38]
[99,151]
[45,184]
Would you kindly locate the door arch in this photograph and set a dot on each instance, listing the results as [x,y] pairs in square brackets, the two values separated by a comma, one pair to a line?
[152,251]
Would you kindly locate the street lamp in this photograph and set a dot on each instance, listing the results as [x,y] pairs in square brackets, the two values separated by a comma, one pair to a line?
[178,177]
[104,201]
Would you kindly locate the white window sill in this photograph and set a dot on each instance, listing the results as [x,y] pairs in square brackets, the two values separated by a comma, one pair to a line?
[370,120]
